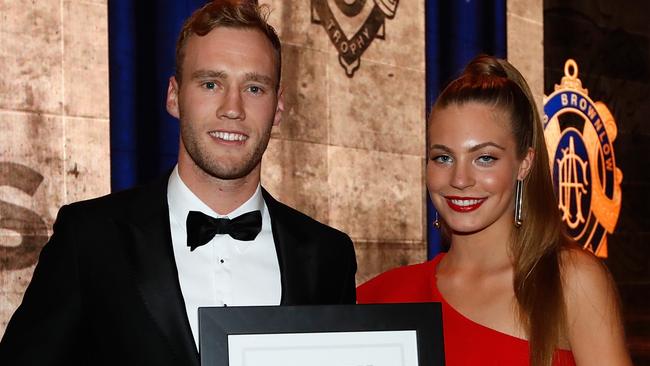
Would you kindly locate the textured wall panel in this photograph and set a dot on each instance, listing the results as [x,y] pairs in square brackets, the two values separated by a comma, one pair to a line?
[296,172]
[304,80]
[54,145]
[359,163]
[525,40]
[85,60]
[31,56]
[380,109]
[376,195]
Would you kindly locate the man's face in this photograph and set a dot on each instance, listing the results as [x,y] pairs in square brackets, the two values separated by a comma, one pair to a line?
[227,101]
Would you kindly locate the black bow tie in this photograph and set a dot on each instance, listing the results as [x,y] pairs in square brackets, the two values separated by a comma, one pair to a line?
[201,228]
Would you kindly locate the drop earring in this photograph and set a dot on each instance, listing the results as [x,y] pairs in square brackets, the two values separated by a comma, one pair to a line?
[436,222]
[519,197]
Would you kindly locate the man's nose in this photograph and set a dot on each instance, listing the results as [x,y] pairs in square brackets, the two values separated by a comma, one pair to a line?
[232,105]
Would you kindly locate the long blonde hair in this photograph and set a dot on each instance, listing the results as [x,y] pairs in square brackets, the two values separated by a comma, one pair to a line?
[535,246]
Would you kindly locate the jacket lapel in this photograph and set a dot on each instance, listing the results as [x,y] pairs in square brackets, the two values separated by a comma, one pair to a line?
[293,275]
[155,271]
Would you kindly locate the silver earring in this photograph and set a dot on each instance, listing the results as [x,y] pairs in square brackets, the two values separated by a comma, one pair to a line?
[519,197]
[436,222]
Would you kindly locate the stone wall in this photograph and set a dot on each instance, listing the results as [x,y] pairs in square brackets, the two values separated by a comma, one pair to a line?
[350,150]
[54,131]
[525,39]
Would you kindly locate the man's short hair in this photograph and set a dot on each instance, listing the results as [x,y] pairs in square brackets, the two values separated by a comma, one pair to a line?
[245,14]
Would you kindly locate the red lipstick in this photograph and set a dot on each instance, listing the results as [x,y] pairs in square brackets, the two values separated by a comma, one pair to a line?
[464,204]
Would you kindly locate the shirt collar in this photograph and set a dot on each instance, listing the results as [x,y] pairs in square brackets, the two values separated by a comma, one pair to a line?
[182,200]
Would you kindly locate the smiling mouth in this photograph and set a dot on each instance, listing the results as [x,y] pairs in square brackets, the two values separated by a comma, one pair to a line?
[229,136]
[464,204]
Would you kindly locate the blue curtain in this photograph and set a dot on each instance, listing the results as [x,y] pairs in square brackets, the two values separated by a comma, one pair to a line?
[142,40]
[456,31]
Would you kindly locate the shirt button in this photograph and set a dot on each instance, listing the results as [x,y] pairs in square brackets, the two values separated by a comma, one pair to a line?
[221,260]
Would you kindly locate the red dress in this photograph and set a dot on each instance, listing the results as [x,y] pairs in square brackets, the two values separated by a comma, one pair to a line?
[466,342]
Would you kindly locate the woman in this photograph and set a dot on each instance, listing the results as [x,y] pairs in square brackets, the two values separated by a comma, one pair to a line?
[514,289]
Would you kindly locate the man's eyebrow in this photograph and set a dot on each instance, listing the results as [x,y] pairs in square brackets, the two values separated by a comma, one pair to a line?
[260,78]
[211,74]
[214,74]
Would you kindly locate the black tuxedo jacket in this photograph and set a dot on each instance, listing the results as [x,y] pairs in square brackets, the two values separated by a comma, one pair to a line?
[106,290]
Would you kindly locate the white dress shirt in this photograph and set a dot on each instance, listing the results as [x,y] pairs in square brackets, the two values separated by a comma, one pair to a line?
[225,271]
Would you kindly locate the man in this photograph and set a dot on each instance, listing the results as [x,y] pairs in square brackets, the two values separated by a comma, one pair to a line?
[120,280]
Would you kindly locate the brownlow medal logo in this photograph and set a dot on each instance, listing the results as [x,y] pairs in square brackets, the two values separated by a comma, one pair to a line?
[579,136]
[352,25]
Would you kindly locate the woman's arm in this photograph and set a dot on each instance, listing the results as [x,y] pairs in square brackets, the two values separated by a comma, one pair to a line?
[595,329]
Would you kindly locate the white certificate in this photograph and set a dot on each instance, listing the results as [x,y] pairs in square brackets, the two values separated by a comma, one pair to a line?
[362,348]
[322,335]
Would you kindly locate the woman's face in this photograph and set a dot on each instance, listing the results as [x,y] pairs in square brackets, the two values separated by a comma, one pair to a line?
[473,166]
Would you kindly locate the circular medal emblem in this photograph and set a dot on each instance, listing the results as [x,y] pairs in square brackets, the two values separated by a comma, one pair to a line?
[579,135]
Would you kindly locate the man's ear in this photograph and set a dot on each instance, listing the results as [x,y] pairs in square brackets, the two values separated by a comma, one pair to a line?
[279,109]
[526,164]
[172,97]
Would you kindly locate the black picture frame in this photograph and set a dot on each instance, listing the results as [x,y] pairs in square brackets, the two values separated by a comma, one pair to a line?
[216,323]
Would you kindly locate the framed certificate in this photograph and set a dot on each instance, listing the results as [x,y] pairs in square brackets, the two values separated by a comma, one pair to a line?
[322,335]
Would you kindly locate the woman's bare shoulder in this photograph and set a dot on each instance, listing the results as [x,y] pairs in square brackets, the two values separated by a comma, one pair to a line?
[595,330]
[584,273]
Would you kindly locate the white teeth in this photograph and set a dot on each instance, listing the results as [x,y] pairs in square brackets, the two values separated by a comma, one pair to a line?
[229,136]
[465,202]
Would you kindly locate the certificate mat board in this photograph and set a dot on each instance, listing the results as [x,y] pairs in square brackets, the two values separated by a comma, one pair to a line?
[331,335]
